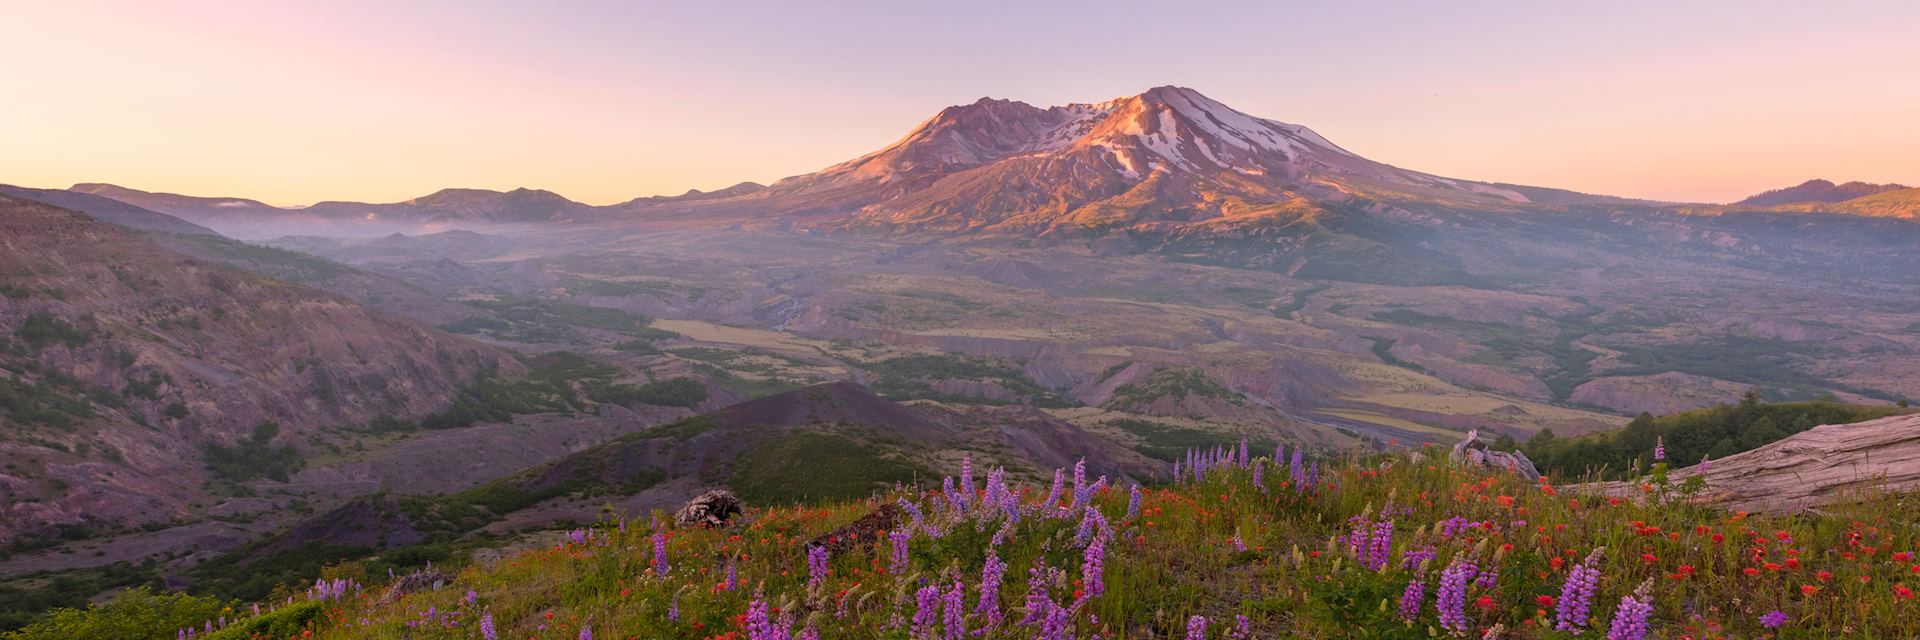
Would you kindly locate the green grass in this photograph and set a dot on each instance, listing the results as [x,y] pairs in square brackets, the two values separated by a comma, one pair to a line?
[912,378]
[1180,557]
[810,466]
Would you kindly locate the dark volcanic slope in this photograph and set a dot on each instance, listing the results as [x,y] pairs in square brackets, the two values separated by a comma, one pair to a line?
[120,360]
[829,440]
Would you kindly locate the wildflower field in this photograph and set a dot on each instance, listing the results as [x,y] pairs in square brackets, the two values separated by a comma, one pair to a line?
[1242,546]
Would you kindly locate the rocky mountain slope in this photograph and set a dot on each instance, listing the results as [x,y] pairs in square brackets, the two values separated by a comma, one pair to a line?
[123,361]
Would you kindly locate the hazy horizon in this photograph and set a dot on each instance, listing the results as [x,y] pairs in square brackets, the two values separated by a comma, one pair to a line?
[606,102]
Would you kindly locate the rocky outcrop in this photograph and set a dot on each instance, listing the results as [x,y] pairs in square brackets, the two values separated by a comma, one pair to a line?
[1822,465]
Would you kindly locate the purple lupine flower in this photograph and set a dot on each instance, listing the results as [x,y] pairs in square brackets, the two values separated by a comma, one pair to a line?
[487,631]
[1450,599]
[660,567]
[1704,459]
[1245,454]
[586,631]
[1380,545]
[1176,472]
[1489,577]
[759,627]
[816,567]
[1053,495]
[954,503]
[1576,597]
[1259,477]
[954,609]
[1242,629]
[1297,468]
[1133,504]
[1659,449]
[1086,526]
[966,481]
[1197,628]
[1357,545]
[926,611]
[899,539]
[991,575]
[1238,544]
[1093,568]
[1009,501]
[732,580]
[1313,475]
[1411,598]
[1773,619]
[996,489]
[1412,558]
[1200,472]
[673,608]
[1630,619]
[1055,623]
[913,511]
[1079,485]
[809,633]
[1037,600]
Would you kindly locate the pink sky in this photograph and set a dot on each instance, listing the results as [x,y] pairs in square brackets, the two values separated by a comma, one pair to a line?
[601,102]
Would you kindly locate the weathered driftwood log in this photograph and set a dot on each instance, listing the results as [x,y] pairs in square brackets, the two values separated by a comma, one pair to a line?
[711,509]
[1474,451]
[1809,469]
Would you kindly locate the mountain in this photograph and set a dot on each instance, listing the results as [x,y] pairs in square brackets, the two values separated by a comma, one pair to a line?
[122,363]
[184,206]
[463,205]
[1817,191]
[442,208]
[109,210]
[385,293]
[1169,156]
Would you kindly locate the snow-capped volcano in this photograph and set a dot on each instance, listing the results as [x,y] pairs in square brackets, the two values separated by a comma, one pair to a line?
[1169,154]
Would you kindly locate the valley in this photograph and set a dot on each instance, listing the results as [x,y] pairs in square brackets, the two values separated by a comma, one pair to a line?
[223,397]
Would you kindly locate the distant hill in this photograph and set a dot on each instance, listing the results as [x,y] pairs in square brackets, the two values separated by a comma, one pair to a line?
[1817,191]
[123,362]
[109,210]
